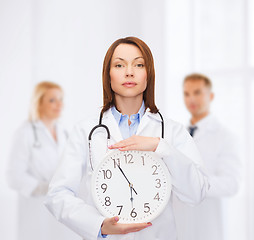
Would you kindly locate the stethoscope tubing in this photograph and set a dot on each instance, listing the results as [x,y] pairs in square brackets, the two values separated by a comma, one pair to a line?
[108,134]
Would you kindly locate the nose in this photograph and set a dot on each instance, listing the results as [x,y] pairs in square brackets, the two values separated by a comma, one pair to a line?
[129,71]
[60,103]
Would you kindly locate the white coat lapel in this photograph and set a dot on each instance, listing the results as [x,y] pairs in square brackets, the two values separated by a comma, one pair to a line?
[206,125]
[41,127]
[145,121]
[110,122]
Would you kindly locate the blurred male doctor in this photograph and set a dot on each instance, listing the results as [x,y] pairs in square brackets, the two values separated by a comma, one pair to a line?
[218,148]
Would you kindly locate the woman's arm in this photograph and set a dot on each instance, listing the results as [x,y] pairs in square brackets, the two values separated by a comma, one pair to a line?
[62,200]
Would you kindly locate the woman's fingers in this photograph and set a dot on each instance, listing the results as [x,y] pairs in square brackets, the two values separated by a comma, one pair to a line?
[130,147]
[111,226]
[114,220]
[123,143]
[137,143]
[135,227]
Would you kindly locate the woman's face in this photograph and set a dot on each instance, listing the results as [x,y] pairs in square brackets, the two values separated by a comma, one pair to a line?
[127,72]
[52,104]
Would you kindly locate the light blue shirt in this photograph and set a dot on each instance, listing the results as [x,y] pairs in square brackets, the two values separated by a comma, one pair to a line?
[122,121]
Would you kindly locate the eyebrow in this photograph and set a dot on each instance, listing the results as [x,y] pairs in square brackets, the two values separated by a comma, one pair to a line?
[124,60]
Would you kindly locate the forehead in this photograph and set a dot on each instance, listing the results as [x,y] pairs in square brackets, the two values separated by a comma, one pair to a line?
[193,84]
[53,91]
[126,51]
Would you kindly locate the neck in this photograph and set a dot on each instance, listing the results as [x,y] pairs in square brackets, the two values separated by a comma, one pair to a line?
[129,106]
[49,123]
[197,118]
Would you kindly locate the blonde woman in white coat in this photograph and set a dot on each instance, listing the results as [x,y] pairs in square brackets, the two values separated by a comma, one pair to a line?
[34,157]
[128,90]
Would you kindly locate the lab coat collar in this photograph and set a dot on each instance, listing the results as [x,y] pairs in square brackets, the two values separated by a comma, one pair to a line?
[109,120]
[40,125]
[145,120]
[208,123]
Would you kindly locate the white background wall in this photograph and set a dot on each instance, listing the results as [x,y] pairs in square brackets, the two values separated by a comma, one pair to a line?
[65,41]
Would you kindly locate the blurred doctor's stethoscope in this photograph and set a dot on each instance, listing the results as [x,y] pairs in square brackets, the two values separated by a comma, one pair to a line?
[35,153]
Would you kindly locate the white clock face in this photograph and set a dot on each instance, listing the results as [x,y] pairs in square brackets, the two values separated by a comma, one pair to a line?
[133,185]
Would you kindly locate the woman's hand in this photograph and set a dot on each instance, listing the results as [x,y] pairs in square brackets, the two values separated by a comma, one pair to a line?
[137,143]
[110,226]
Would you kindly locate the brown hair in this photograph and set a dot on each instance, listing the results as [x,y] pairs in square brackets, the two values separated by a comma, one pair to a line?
[198,76]
[38,94]
[148,96]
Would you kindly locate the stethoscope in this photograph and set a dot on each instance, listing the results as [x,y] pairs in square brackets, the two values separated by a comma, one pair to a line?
[100,125]
[37,143]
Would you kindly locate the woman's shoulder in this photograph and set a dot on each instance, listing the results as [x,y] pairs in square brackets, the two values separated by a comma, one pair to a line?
[171,127]
[169,122]
[173,122]
[25,126]
[88,121]
[23,132]
[175,129]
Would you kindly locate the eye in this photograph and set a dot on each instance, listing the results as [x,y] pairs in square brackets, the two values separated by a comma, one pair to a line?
[52,100]
[140,65]
[118,65]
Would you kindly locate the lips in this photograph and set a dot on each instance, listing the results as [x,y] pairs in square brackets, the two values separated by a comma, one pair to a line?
[129,84]
[192,107]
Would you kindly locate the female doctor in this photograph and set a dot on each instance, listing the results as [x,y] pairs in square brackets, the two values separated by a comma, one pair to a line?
[34,156]
[132,117]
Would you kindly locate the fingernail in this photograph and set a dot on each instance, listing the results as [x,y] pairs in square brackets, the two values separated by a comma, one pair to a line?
[149,224]
[116,218]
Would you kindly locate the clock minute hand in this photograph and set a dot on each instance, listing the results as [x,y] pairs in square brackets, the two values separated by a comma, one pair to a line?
[130,185]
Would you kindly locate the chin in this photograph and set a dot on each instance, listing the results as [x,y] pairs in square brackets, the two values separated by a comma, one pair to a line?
[55,116]
[194,113]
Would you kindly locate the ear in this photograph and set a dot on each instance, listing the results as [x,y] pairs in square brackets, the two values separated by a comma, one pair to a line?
[211,96]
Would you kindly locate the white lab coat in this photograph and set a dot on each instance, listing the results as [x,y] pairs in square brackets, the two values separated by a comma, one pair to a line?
[29,172]
[69,197]
[218,148]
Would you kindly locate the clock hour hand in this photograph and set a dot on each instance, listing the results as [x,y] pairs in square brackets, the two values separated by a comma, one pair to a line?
[130,185]
[131,197]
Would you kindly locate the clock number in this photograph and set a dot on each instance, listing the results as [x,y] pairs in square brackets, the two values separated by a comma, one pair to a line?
[104,187]
[155,169]
[143,160]
[107,174]
[158,183]
[157,197]
[107,201]
[116,162]
[133,213]
[128,158]
[147,208]
[121,207]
